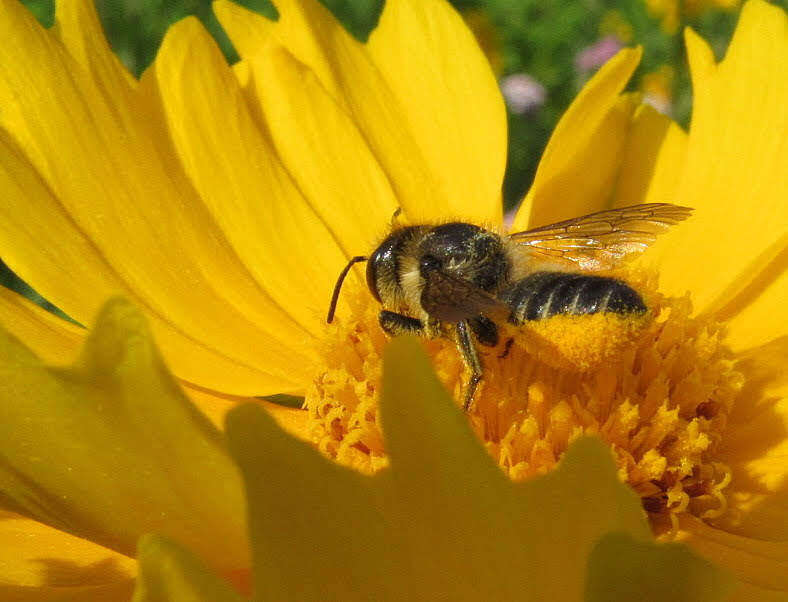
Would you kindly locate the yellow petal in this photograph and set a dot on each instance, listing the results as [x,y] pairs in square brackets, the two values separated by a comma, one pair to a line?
[450,97]
[746,592]
[316,517]
[755,447]
[428,520]
[278,233]
[168,572]
[57,341]
[51,338]
[622,568]
[114,592]
[756,314]
[71,273]
[216,406]
[78,27]
[111,448]
[126,221]
[326,154]
[251,32]
[652,160]
[760,564]
[578,168]
[424,180]
[35,555]
[736,176]
[444,479]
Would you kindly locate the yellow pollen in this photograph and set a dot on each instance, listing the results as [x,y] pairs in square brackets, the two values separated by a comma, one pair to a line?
[657,387]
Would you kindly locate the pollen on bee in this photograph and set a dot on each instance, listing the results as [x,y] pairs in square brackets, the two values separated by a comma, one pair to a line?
[582,343]
[656,386]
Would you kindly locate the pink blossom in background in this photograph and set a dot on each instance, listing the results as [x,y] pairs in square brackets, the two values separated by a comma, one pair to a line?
[597,54]
[523,93]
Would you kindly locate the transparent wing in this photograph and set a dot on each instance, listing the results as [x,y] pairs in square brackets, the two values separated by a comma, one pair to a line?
[600,240]
[451,299]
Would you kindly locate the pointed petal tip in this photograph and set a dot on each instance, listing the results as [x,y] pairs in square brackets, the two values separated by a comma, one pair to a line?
[150,544]
[189,22]
[118,308]
[762,10]
[699,53]
[179,38]
[244,414]
[629,56]
[589,452]
[120,332]
[589,447]
[423,426]
[408,371]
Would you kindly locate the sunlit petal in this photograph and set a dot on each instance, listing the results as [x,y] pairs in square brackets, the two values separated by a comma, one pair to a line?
[757,563]
[425,174]
[651,160]
[112,207]
[216,406]
[305,121]
[228,158]
[53,339]
[736,176]
[449,95]
[578,168]
[78,27]
[35,555]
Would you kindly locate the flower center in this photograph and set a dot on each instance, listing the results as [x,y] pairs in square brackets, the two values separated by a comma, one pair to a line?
[657,388]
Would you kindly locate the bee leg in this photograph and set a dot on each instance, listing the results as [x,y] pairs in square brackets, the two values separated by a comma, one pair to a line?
[395,324]
[471,358]
[485,331]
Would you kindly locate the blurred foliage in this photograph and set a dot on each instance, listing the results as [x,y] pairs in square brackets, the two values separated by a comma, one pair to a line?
[540,38]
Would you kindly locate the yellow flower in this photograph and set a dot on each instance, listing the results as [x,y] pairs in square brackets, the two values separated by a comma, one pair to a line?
[223,202]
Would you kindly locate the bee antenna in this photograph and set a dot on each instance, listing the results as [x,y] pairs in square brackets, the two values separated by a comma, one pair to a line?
[338,286]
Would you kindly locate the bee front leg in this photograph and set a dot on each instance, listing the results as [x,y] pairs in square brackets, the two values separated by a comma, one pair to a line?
[395,324]
[471,358]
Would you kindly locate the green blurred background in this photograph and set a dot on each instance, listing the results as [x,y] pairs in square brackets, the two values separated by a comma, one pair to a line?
[541,50]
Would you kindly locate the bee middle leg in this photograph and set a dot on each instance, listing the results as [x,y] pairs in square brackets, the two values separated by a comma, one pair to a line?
[471,359]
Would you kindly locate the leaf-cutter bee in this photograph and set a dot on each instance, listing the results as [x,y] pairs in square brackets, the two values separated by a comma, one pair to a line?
[459,280]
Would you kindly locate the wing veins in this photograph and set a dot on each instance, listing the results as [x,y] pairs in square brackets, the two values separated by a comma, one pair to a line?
[601,239]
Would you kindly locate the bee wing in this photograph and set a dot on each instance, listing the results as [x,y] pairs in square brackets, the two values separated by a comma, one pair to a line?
[600,240]
[451,299]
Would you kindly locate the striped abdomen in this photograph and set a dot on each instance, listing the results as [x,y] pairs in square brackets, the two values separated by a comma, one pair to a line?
[545,294]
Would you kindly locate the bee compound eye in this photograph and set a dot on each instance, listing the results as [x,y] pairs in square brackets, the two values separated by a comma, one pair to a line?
[429,263]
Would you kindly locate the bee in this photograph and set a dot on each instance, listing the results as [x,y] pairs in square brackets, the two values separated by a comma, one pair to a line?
[459,281]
